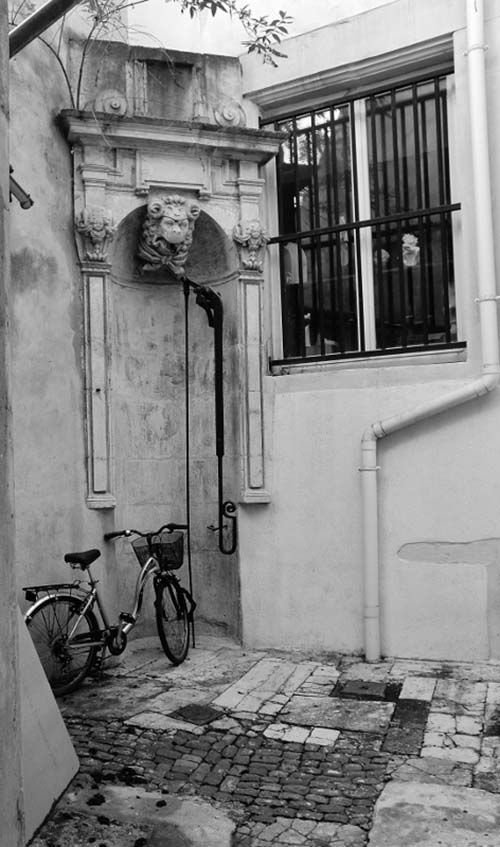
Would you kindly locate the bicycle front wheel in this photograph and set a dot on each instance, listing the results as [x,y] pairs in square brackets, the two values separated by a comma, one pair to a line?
[62,639]
[172,620]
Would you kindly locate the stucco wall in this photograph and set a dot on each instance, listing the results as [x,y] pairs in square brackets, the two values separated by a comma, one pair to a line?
[11,805]
[438,481]
[145,348]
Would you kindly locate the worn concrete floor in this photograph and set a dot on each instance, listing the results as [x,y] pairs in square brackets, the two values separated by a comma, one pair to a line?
[253,748]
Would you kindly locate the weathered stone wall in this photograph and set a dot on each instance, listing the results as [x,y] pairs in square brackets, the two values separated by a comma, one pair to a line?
[47,331]
[148,407]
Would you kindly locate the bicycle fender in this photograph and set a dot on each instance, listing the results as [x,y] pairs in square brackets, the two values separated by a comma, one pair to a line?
[43,600]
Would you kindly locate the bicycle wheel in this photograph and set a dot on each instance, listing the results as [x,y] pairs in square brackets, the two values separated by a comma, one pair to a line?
[172,620]
[66,664]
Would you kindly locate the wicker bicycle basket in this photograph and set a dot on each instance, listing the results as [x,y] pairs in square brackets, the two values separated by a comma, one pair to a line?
[167,548]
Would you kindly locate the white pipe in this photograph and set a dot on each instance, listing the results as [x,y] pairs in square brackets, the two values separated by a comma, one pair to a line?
[488,318]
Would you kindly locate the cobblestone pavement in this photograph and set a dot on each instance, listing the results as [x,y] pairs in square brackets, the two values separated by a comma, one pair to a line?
[294,750]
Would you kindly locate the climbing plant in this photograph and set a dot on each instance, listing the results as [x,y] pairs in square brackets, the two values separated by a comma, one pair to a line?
[106,21]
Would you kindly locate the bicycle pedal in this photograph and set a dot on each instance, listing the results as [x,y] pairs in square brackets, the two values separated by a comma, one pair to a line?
[126,617]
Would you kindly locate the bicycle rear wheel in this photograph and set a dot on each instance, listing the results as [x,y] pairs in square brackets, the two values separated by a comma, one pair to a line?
[172,620]
[66,663]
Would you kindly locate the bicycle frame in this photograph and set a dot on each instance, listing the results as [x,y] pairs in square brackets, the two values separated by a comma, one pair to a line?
[127,619]
[114,634]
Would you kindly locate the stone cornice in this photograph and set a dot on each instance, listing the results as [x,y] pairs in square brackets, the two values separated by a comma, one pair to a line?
[139,133]
[354,78]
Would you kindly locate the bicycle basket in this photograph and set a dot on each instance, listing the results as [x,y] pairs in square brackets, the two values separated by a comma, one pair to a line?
[167,548]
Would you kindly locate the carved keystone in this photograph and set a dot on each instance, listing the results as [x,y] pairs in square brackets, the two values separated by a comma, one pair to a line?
[167,233]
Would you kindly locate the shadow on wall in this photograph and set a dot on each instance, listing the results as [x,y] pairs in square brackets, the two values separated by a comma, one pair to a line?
[212,257]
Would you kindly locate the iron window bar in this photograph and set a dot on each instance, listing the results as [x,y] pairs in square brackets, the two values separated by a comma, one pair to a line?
[424,309]
[354,225]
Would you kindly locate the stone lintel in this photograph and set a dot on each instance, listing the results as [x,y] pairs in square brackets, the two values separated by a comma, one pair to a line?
[241,143]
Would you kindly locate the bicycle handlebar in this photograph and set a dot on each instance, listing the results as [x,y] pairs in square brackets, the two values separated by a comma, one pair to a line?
[109,536]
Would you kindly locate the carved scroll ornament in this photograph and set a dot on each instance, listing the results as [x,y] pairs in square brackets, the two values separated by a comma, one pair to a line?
[230,113]
[96,228]
[251,239]
[167,233]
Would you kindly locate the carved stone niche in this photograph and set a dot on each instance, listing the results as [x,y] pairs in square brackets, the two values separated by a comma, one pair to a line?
[167,234]
[120,159]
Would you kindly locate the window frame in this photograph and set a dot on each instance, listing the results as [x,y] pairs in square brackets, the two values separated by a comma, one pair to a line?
[430,60]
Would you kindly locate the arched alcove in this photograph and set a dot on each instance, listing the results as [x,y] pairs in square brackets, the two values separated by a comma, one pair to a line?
[146,338]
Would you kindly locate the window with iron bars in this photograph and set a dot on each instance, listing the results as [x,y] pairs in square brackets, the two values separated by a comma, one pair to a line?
[365,219]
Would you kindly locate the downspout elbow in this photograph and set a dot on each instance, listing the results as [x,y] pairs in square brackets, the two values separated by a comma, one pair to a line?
[490,379]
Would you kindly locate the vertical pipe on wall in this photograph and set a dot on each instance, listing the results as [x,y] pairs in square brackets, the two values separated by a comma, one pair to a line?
[485,252]
[487,303]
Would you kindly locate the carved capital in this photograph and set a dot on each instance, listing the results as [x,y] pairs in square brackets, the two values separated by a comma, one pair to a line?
[251,239]
[167,233]
[96,229]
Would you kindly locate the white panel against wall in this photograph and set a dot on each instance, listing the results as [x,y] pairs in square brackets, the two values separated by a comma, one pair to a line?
[97,394]
[254,473]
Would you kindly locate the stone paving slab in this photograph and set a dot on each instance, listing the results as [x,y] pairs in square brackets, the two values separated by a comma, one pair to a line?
[266,679]
[302,734]
[418,688]
[422,815]
[155,720]
[354,715]
[118,816]
[432,771]
[287,832]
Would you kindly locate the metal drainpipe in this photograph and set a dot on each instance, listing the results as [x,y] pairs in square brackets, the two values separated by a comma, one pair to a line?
[38,22]
[487,303]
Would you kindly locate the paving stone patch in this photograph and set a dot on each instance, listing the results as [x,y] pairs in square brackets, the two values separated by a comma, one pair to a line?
[440,771]
[406,731]
[267,679]
[359,689]
[286,832]
[424,815]
[373,671]
[197,714]
[155,720]
[135,817]
[338,713]
[459,697]
[418,688]
[106,695]
[302,735]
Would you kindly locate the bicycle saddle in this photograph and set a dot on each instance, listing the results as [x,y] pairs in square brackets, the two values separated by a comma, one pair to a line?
[84,559]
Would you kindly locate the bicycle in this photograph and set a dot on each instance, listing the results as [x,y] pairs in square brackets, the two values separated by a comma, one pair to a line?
[62,620]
